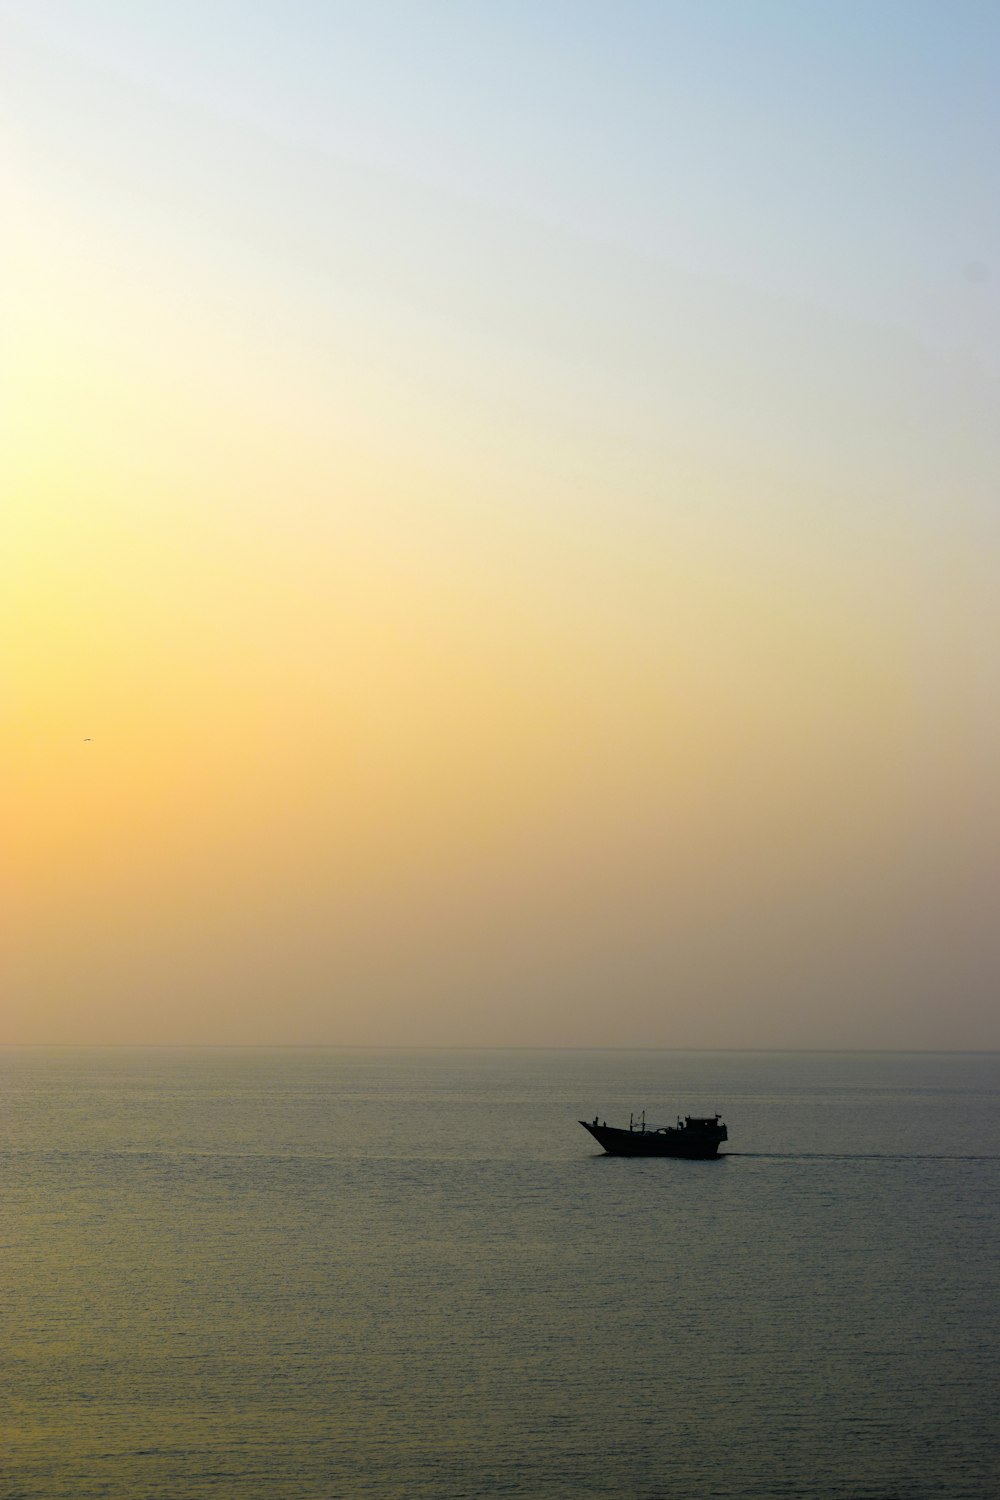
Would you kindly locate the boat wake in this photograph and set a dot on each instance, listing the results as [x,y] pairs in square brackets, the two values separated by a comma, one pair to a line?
[853,1156]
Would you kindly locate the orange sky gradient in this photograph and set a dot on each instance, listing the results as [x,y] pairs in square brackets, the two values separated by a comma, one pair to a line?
[431,621]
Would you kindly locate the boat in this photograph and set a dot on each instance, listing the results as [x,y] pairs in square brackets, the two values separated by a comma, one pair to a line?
[697,1136]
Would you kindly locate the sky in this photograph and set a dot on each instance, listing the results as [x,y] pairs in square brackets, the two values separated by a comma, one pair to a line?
[499,523]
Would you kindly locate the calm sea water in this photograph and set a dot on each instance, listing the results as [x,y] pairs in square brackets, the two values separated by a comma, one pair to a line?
[306,1274]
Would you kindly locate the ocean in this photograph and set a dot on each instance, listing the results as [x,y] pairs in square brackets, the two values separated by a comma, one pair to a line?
[326,1274]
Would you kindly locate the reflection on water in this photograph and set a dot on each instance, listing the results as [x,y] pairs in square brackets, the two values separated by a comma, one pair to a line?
[316,1274]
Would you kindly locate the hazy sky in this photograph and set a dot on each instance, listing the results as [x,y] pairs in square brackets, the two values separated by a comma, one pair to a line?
[500,525]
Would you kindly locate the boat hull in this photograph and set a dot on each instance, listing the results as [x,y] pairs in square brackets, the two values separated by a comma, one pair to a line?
[672,1141]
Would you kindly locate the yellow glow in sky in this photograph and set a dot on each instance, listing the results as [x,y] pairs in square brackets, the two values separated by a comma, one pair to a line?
[429,621]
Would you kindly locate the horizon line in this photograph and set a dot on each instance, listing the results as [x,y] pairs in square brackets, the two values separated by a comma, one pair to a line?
[479,1047]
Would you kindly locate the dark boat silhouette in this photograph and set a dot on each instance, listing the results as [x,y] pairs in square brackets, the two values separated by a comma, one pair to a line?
[695,1136]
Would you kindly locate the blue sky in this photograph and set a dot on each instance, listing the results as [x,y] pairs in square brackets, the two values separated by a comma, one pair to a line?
[837,154]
